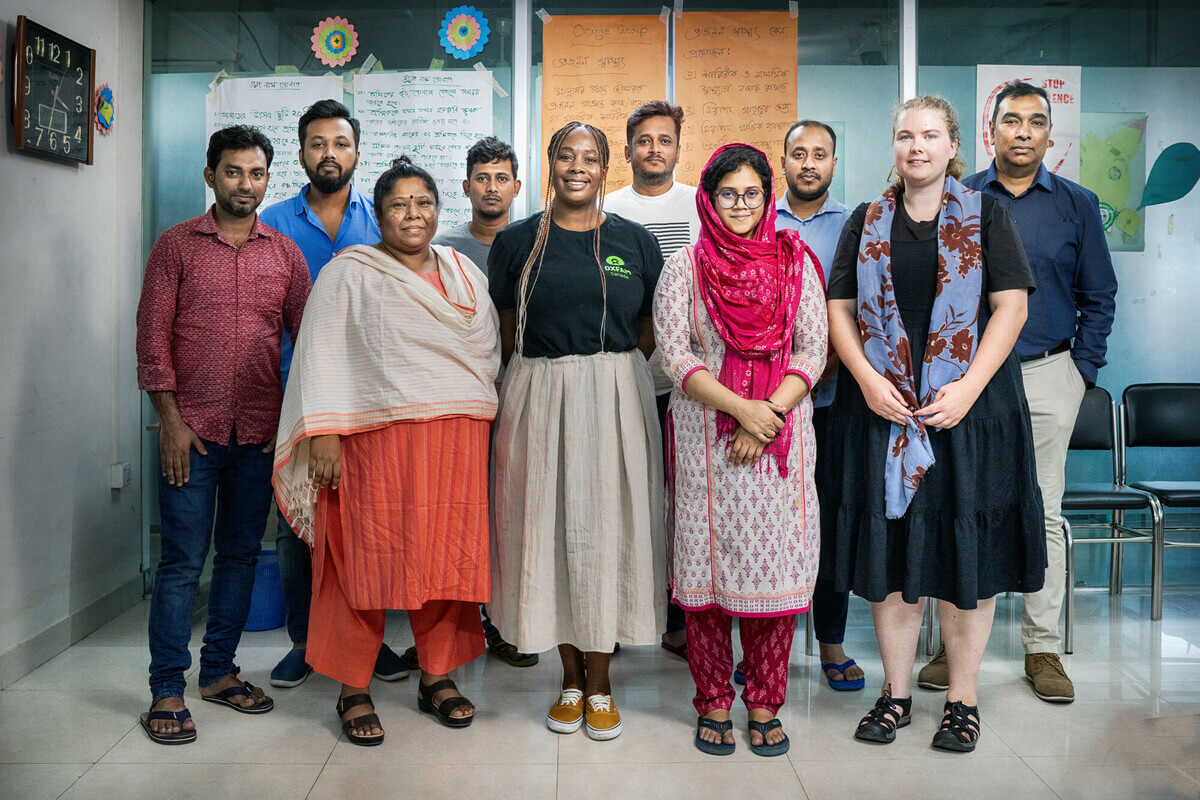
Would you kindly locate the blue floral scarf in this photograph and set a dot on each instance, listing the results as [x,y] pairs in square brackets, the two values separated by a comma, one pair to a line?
[953,325]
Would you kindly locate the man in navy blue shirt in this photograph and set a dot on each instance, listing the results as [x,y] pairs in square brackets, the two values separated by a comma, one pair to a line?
[326,216]
[1063,343]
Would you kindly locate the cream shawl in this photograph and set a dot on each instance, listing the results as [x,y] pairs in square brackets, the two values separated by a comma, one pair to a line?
[378,344]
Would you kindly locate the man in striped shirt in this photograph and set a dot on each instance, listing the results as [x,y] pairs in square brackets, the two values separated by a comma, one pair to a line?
[667,209]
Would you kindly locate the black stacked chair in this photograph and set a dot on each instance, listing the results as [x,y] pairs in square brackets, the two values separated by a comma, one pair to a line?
[1096,428]
[1165,415]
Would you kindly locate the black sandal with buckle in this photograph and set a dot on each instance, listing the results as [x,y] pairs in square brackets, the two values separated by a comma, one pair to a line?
[444,709]
[363,720]
[960,728]
[880,723]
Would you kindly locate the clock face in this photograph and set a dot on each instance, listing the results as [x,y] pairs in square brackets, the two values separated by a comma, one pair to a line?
[53,85]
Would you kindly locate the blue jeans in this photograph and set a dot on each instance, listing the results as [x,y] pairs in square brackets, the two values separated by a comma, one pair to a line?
[295,570]
[234,481]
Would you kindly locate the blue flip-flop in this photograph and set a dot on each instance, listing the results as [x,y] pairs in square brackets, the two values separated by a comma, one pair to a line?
[179,737]
[764,749]
[246,689]
[844,685]
[714,748]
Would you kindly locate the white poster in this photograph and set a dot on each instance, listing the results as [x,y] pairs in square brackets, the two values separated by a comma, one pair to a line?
[273,105]
[433,117]
[1062,84]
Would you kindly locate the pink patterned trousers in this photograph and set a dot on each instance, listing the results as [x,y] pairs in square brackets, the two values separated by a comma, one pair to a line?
[766,644]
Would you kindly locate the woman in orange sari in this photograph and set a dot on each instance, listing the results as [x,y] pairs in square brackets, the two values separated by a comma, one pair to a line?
[382,463]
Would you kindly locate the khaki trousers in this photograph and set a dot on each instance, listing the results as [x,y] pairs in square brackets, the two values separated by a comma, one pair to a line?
[1054,390]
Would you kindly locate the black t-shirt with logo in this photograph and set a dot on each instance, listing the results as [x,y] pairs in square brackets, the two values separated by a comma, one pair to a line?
[566,300]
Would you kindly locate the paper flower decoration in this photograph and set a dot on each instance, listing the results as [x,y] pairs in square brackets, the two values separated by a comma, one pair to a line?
[335,41]
[106,110]
[464,32]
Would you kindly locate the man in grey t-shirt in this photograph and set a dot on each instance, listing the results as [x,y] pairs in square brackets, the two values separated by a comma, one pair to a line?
[492,186]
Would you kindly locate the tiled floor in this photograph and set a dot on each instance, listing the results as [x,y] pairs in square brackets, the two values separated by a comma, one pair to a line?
[69,729]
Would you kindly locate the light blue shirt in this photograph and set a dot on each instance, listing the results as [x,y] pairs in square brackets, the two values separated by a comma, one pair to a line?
[820,232]
[295,219]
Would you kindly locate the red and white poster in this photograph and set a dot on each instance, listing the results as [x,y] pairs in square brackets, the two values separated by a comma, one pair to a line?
[1062,84]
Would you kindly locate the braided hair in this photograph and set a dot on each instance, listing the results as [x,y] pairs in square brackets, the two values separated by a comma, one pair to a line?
[538,252]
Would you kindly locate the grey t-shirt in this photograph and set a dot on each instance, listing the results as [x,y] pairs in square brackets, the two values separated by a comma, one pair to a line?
[459,237]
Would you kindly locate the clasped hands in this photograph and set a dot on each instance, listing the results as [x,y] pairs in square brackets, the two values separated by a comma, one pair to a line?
[949,406]
[758,425]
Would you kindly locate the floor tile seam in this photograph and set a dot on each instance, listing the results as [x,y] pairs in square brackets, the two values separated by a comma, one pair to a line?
[803,790]
[321,771]
[1038,775]
[77,780]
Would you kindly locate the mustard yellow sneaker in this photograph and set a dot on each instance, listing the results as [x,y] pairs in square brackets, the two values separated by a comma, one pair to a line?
[566,715]
[603,719]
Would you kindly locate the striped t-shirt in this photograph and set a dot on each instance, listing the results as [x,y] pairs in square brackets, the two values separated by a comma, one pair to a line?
[671,217]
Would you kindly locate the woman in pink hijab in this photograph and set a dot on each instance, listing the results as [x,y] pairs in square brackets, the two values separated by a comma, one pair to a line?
[740,321]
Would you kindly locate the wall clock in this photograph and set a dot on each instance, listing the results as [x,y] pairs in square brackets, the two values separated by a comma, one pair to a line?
[53,85]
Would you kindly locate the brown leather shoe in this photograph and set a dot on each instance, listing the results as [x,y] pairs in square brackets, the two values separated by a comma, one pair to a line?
[935,674]
[1050,682]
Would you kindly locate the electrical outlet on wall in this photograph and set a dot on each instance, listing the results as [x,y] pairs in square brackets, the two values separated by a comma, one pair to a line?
[120,475]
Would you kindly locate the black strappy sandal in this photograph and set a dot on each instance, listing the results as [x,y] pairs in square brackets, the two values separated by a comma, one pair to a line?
[960,728]
[880,724]
[444,709]
[348,726]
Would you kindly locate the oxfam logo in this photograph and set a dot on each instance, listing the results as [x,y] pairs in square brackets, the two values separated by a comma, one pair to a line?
[615,266]
[614,261]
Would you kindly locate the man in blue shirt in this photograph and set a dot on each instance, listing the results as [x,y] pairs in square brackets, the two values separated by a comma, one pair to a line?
[809,162]
[326,216]
[1063,343]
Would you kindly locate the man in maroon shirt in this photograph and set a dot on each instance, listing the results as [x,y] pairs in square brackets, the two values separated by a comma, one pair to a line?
[218,292]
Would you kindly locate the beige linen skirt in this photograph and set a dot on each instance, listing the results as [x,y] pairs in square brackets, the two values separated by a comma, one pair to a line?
[578,534]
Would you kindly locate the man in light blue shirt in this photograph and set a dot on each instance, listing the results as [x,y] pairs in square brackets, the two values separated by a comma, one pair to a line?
[326,216]
[809,161]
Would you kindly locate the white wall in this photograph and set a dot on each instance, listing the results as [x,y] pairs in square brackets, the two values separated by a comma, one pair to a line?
[70,271]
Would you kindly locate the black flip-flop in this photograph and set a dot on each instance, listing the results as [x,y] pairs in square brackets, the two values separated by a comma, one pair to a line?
[444,709]
[764,749]
[179,737]
[714,748]
[246,689]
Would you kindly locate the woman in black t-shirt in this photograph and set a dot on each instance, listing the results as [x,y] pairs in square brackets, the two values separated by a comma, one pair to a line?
[577,497]
[931,488]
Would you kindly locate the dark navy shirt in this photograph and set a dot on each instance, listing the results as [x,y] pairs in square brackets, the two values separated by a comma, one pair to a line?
[1059,224]
[296,219]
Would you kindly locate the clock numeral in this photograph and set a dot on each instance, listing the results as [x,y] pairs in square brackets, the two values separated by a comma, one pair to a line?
[66,140]
[28,119]
[68,64]
[79,80]
[55,53]
[39,141]
[28,54]
[40,45]
[78,131]
[27,86]
[53,140]
[78,104]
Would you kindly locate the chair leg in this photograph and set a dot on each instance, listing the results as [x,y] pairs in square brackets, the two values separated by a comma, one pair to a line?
[1069,603]
[1117,562]
[929,625]
[808,632]
[1158,542]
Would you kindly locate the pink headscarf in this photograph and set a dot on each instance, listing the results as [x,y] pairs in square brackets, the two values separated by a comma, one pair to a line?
[751,288]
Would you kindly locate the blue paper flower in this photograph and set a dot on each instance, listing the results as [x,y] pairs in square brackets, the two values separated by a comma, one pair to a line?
[464,32]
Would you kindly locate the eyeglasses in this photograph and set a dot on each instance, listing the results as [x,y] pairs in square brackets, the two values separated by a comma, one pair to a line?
[728,198]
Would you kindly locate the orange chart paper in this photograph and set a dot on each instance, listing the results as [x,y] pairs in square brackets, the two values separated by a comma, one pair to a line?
[735,76]
[598,69]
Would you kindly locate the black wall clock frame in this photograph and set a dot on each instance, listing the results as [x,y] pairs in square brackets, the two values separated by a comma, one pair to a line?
[54,90]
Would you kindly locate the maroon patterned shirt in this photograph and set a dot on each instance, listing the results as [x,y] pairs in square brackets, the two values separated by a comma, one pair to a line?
[210,321]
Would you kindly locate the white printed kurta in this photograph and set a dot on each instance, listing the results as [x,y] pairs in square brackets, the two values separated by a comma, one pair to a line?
[742,538]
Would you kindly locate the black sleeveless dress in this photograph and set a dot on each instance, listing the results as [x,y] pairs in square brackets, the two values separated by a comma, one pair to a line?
[975,526]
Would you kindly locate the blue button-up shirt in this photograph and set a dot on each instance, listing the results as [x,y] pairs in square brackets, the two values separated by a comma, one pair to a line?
[1059,224]
[296,219]
[820,232]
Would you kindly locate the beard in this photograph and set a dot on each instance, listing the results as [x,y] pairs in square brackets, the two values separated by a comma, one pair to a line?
[236,209]
[492,212]
[806,195]
[326,183]
[647,178]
